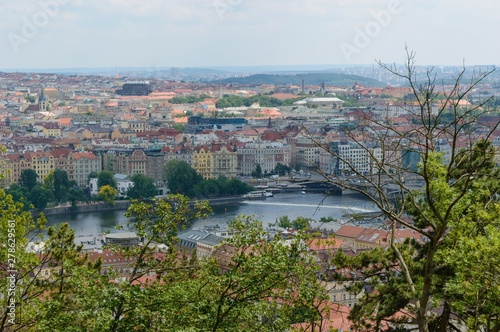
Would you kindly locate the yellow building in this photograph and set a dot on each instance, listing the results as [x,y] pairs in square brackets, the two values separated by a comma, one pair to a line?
[83,108]
[17,163]
[41,162]
[202,161]
[213,161]
[51,129]
[5,172]
[51,93]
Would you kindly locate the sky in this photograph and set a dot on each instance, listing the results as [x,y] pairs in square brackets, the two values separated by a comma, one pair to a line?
[203,33]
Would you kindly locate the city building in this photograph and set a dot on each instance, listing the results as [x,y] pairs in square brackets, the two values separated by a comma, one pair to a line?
[213,161]
[84,164]
[125,161]
[135,88]
[351,157]
[265,154]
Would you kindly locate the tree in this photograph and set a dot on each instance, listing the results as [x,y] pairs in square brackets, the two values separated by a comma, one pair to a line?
[179,127]
[48,181]
[281,169]
[17,228]
[61,185]
[266,285]
[220,187]
[70,299]
[108,194]
[40,197]
[257,173]
[106,178]
[30,99]
[451,204]
[264,281]
[92,175]
[76,195]
[285,222]
[301,223]
[327,219]
[181,177]
[19,194]
[28,179]
[144,187]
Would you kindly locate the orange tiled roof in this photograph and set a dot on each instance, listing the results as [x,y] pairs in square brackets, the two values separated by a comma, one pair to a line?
[349,231]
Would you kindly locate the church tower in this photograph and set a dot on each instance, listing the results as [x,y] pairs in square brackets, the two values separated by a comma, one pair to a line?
[42,102]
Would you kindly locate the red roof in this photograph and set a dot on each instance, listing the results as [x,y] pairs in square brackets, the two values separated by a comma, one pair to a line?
[58,153]
[84,155]
[271,136]
[350,231]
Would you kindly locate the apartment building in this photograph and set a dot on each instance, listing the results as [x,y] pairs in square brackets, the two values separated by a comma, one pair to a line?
[42,162]
[212,161]
[85,163]
[350,157]
[180,152]
[265,154]
[125,161]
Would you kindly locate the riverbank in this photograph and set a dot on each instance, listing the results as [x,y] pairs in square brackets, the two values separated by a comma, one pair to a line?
[122,205]
[85,208]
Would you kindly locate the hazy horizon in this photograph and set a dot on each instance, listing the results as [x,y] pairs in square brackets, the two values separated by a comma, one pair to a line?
[67,34]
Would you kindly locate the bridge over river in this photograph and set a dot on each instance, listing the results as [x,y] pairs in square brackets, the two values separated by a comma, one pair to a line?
[354,185]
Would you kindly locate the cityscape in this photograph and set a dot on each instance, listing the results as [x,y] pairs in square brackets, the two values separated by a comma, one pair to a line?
[249,166]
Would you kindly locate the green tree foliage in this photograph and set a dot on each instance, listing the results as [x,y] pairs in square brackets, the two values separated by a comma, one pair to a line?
[284,222]
[108,194]
[106,178]
[40,197]
[17,228]
[264,283]
[28,179]
[221,186]
[62,299]
[282,170]
[257,172]
[256,284]
[333,79]
[19,194]
[327,219]
[76,195]
[181,177]
[230,101]
[299,223]
[92,175]
[428,283]
[71,302]
[179,127]
[189,99]
[48,181]
[30,99]
[61,185]
[262,100]
[144,187]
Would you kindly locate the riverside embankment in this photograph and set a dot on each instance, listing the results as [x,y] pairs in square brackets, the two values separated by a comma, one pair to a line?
[122,205]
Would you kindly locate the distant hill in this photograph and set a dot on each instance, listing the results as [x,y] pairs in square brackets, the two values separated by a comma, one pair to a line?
[332,79]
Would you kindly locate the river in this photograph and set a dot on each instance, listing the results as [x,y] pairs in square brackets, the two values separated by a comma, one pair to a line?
[293,205]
